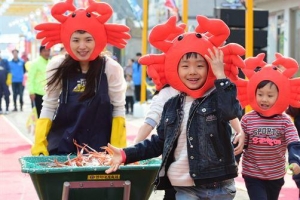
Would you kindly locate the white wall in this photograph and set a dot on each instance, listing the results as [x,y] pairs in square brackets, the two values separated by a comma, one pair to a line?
[278,7]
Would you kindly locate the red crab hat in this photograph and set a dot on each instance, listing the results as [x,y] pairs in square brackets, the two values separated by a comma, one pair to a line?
[280,73]
[92,20]
[172,40]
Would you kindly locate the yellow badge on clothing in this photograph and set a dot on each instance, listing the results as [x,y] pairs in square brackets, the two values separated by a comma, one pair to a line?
[80,86]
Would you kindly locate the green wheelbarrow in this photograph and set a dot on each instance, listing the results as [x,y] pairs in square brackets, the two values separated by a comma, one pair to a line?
[132,182]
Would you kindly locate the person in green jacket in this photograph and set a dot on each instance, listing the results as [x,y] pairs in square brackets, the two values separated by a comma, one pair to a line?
[37,79]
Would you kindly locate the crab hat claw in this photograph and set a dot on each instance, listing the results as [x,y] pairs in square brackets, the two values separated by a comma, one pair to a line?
[217,28]
[92,20]
[290,64]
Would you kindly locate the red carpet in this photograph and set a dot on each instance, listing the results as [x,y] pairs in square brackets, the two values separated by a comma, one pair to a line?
[14,184]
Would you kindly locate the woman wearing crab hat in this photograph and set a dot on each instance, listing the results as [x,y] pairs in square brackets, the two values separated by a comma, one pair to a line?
[193,136]
[269,131]
[85,93]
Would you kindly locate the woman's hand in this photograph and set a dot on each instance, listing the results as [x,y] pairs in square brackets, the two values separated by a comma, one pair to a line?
[116,159]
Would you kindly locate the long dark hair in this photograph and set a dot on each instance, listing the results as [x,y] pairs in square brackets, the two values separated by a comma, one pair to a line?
[69,67]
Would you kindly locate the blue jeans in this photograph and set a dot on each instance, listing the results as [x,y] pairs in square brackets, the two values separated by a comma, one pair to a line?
[263,189]
[224,190]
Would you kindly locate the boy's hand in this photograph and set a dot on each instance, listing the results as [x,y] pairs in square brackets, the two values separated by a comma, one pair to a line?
[216,62]
[295,168]
[116,159]
[239,139]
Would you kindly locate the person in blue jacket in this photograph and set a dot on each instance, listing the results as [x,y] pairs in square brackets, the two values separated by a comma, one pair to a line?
[137,77]
[4,91]
[17,69]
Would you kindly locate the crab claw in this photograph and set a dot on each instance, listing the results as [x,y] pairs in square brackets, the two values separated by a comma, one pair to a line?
[172,36]
[290,65]
[253,62]
[103,9]
[217,28]
[162,34]
[60,8]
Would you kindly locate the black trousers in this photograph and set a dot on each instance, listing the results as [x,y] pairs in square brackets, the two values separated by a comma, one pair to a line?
[4,93]
[263,189]
[137,92]
[129,104]
[170,194]
[38,103]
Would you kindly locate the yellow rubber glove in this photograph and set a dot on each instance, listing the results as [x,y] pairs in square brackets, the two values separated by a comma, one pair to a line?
[8,79]
[42,128]
[118,132]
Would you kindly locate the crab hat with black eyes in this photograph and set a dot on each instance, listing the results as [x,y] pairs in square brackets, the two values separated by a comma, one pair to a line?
[174,42]
[92,20]
[280,72]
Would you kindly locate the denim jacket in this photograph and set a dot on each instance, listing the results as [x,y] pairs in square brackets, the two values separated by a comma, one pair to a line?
[209,146]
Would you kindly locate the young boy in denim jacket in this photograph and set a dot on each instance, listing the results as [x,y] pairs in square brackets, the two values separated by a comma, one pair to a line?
[193,136]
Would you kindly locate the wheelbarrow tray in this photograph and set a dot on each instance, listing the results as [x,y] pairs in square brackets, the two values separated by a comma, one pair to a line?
[49,181]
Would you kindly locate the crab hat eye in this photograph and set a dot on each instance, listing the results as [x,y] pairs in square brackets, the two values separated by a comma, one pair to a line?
[257,69]
[73,15]
[180,38]
[88,14]
[198,35]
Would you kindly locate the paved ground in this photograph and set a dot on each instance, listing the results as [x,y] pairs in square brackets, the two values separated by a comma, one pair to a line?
[18,121]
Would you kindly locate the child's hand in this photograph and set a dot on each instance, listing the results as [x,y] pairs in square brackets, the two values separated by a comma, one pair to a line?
[116,159]
[295,168]
[239,139]
[216,62]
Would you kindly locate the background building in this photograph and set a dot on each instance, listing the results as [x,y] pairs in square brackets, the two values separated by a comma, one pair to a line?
[18,17]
